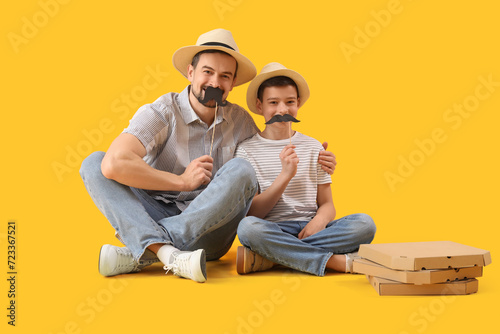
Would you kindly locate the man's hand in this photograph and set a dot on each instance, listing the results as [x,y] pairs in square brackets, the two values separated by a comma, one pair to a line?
[314,226]
[289,161]
[197,173]
[327,160]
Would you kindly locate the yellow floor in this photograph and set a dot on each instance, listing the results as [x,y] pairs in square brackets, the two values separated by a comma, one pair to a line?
[79,300]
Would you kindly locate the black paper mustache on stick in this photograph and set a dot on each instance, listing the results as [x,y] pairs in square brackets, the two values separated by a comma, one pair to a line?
[212,93]
[284,118]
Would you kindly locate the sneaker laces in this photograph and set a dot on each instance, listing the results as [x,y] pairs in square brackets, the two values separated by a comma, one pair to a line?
[171,266]
[180,264]
[125,259]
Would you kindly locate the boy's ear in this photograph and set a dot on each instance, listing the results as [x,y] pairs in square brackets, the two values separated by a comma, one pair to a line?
[298,102]
[258,105]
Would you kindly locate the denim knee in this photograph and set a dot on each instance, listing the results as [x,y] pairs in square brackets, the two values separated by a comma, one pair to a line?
[241,172]
[249,229]
[91,166]
[365,227]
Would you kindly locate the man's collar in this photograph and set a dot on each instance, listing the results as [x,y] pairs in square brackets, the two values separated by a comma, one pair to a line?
[187,112]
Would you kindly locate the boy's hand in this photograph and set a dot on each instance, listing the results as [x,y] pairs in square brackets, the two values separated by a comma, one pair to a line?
[327,160]
[289,161]
[314,226]
[197,173]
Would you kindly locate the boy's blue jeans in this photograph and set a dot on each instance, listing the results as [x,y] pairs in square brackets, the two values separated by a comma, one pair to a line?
[279,242]
[209,222]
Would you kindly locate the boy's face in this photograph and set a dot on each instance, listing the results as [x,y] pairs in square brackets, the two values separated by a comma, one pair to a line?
[278,100]
[213,69]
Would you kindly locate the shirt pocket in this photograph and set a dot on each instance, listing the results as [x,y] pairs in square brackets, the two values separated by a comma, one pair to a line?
[224,154]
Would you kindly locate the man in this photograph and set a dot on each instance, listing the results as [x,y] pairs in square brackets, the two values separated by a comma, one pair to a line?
[167,191]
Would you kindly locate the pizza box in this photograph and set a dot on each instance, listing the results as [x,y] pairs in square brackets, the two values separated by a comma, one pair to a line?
[385,287]
[428,276]
[425,255]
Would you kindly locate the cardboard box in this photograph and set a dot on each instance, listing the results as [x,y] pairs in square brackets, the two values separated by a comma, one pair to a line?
[425,255]
[370,268]
[386,287]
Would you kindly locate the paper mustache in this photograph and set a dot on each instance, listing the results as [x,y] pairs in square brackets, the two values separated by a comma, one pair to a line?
[212,93]
[284,118]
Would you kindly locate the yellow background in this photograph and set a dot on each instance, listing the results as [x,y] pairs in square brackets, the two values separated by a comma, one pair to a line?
[68,77]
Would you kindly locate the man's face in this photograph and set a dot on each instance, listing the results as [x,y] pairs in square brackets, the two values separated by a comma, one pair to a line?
[279,101]
[213,69]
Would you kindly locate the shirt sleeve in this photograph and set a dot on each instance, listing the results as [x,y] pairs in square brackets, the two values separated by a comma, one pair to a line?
[150,125]
[241,153]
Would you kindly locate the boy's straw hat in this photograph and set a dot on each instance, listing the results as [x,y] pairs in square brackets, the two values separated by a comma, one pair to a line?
[275,70]
[218,39]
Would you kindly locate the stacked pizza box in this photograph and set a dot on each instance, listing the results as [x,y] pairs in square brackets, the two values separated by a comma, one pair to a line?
[422,268]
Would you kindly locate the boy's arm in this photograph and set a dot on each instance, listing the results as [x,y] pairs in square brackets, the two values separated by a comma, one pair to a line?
[264,202]
[325,214]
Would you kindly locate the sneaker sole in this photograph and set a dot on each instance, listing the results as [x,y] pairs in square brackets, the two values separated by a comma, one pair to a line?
[240,260]
[199,267]
[103,270]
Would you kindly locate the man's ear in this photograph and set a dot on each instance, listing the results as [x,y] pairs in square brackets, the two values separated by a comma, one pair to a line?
[232,85]
[190,73]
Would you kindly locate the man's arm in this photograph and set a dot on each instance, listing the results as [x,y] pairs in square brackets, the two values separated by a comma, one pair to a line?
[264,202]
[327,160]
[325,214]
[123,163]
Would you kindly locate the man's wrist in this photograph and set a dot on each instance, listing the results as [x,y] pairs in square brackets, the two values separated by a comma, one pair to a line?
[178,183]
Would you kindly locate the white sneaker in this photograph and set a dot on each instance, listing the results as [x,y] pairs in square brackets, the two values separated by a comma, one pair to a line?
[115,260]
[190,265]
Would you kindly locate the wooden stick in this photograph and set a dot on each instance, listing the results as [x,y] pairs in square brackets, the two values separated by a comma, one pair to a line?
[290,132]
[213,130]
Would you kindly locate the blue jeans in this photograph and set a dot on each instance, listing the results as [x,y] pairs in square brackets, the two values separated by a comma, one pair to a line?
[279,242]
[209,222]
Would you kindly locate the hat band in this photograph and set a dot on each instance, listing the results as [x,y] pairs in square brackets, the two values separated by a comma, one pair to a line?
[218,44]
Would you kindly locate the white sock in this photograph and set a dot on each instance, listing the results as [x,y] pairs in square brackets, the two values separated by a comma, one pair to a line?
[165,252]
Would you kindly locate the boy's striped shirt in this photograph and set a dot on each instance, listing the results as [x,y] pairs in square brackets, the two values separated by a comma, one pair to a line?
[298,202]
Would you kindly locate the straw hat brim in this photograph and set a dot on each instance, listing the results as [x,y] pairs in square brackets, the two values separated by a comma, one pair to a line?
[184,56]
[303,88]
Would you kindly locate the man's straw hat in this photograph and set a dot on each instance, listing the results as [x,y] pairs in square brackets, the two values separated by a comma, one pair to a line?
[218,39]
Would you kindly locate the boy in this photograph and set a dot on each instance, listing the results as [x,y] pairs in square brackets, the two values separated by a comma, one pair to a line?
[291,219]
